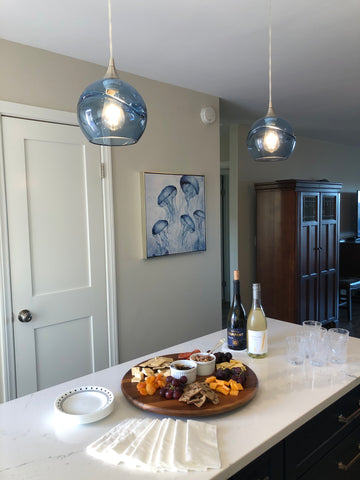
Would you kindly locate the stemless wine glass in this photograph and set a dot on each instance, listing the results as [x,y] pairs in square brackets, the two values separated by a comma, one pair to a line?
[319,347]
[310,328]
[295,350]
[338,338]
[311,323]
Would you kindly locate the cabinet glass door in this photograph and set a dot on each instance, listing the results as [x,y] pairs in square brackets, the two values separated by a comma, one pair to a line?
[310,208]
[328,207]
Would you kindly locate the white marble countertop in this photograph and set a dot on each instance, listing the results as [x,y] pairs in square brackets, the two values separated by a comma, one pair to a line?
[32,446]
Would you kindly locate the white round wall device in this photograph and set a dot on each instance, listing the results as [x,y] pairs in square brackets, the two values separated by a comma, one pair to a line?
[208,115]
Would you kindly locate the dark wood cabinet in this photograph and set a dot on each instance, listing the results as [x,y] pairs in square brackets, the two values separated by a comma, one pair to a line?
[326,447]
[297,249]
[268,466]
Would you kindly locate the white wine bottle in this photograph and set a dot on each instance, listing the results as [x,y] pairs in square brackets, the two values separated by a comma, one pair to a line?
[257,342]
[236,321]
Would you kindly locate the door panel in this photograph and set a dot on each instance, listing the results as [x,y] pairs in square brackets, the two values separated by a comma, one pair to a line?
[58,243]
[309,258]
[50,352]
[57,252]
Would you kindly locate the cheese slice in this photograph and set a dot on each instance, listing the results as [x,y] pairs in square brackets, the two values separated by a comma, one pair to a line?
[231,364]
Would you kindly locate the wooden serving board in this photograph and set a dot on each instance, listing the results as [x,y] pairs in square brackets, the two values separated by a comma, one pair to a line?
[156,404]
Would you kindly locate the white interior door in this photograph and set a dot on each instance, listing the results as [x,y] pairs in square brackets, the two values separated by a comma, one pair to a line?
[57,252]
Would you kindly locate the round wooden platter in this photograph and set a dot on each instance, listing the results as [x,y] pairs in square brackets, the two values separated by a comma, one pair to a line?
[156,404]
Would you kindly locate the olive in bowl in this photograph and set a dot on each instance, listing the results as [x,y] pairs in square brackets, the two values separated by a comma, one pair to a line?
[205,362]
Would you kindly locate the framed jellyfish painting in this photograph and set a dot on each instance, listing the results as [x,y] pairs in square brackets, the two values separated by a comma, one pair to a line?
[174,214]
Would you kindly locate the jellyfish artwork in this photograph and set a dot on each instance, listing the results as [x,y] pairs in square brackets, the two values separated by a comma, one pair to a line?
[199,216]
[187,227]
[166,199]
[159,231]
[190,187]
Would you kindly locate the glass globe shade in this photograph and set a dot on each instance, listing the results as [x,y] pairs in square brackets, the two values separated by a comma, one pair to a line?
[111,112]
[271,139]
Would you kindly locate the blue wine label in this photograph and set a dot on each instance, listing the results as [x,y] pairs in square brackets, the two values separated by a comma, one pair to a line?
[236,338]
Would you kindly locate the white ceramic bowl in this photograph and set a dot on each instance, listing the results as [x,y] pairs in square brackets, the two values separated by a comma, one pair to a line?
[206,367]
[187,368]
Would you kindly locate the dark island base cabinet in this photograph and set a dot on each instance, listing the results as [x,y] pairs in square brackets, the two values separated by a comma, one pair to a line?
[267,467]
[325,448]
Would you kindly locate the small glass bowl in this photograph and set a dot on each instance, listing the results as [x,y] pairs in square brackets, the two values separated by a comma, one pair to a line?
[207,367]
[190,373]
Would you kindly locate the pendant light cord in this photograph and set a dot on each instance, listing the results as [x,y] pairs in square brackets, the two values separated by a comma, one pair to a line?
[111,71]
[270,108]
[110,29]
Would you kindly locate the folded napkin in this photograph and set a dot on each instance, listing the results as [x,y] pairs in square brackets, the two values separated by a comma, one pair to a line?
[159,445]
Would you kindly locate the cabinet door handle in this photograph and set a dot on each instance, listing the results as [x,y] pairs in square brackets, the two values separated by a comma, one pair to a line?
[350,418]
[347,467]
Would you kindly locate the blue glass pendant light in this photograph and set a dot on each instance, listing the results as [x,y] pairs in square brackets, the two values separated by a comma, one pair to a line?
[271,138]
[110,111]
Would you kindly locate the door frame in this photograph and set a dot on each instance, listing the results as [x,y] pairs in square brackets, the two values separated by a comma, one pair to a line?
[7,349]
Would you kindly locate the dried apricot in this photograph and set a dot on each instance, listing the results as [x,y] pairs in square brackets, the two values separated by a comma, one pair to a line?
[141,387]
[150,388]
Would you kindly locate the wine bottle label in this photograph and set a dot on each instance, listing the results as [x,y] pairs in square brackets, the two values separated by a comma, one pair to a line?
[257,342]
[236,338]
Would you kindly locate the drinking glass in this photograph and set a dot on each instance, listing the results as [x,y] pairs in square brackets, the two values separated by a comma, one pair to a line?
[310,327]
[319,347]
[338,340]
[311,323]
[295,350]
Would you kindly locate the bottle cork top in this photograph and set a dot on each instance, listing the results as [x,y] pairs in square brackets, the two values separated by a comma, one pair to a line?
[236,274]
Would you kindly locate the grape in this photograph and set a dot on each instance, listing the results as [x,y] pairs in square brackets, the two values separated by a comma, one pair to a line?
[175,382]
[177,394]
[228,356]
[174,387]
[169,394]
[218,357]
[223,373]
[221,357]
[220,374]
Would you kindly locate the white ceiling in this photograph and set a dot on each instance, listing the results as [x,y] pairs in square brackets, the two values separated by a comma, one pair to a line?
[219,47]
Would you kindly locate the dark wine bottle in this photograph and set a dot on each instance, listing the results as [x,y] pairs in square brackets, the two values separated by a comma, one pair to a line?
[236,322]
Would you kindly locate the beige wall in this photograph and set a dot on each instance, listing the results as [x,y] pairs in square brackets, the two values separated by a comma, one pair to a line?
[311,159]
[161,301]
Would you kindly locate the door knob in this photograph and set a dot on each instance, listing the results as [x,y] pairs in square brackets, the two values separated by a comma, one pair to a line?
[24,316]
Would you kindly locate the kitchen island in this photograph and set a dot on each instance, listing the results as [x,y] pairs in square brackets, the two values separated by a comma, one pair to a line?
[33,446]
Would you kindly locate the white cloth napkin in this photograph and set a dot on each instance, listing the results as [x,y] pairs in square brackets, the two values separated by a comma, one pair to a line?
[159,445]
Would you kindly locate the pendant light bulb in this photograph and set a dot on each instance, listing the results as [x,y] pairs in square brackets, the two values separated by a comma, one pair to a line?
[113,116]
[110,111]
[271,141]
[270,138]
